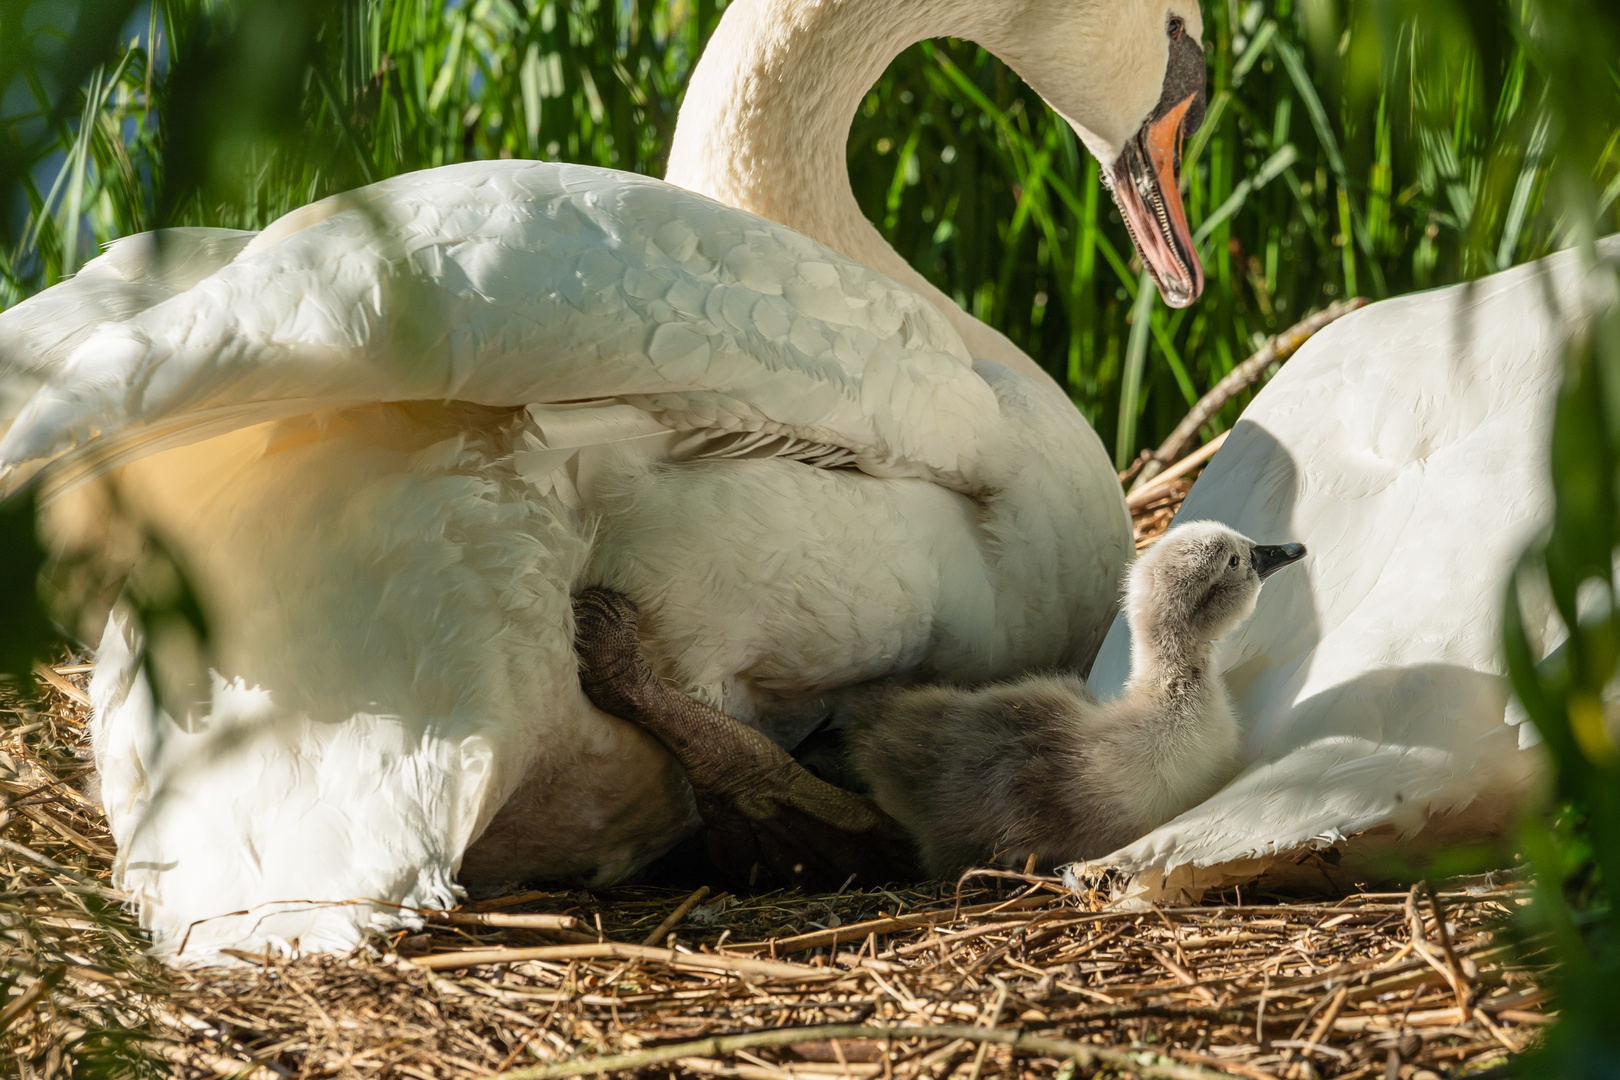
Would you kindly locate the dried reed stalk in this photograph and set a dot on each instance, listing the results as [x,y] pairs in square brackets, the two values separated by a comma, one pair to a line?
[910,982]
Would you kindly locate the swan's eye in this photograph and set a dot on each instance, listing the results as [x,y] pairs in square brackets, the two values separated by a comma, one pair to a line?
[1177,27]
[1232,562]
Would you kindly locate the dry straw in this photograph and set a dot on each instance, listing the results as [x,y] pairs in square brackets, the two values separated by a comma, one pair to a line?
[1015,976]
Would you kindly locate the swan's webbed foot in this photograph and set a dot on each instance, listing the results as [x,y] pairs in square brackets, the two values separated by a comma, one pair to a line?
[764,811]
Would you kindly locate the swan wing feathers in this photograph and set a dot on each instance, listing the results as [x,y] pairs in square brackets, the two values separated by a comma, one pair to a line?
[520,283]
[132,275]
[1406,447]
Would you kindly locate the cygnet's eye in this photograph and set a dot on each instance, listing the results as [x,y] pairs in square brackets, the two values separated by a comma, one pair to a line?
[1177,26]
[1232,562]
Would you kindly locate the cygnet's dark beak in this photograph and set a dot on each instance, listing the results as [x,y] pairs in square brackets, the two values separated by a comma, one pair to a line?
[1267,559]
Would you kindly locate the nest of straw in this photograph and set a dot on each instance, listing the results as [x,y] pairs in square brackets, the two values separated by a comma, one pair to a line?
[1153,514]
[1009,975]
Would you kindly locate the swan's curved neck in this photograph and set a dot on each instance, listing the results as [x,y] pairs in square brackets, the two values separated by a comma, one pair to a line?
[768,111]
[766,120]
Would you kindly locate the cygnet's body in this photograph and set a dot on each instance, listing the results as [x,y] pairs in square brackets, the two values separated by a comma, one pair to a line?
[1039,766]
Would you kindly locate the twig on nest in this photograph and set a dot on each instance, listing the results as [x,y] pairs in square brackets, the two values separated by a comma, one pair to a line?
[62,686]
[618,951]
[675,917]
[30,997]
[1087,1055]
[526,897]
[513,922]
[1146,493]
[857,931]
[50,864]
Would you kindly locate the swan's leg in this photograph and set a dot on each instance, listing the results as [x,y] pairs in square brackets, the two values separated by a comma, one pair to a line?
[763,810]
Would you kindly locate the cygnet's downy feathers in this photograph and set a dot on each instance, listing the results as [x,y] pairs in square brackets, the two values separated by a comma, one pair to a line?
[1039,766]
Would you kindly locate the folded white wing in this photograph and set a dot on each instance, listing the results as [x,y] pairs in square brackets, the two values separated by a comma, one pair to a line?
[133,274]
[1406,447]
[518,283]
[390,607]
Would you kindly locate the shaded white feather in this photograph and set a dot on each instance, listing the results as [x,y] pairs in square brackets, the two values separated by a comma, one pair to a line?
[1406,447]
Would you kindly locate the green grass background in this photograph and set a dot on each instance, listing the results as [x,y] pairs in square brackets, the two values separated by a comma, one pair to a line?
[1303,185]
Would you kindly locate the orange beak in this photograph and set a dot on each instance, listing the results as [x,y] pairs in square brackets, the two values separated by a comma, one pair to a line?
[1146,181]
[1146,185]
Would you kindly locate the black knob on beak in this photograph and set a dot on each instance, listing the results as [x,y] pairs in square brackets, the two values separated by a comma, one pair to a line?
[1267,559]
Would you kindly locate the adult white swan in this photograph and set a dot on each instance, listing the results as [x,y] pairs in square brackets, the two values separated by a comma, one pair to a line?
[388,454]
[1406,446]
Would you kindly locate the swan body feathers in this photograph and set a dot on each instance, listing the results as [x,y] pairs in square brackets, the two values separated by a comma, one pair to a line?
[654,296]
[389,572]
[1406,447]
[123,281]
[394,431]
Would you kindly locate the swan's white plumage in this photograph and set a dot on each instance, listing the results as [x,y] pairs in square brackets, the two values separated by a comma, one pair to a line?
[766,118]
[122,282]
[390,577]
[521,282]
[390,581]
[384,615]
[1406,447]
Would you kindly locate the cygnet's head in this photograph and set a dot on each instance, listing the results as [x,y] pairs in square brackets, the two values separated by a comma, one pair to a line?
[1200,581]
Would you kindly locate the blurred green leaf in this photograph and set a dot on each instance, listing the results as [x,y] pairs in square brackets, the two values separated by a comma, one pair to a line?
[26,633]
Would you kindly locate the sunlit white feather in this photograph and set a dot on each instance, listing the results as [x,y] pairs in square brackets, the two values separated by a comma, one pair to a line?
[1406,447]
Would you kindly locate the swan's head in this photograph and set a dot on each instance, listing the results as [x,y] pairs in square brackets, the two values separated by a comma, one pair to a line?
[1200,581]
[1128,76]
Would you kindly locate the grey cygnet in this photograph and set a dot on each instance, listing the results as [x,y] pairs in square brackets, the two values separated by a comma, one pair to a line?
[1039,765]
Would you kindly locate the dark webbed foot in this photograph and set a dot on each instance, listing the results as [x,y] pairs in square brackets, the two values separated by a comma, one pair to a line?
[763,810]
